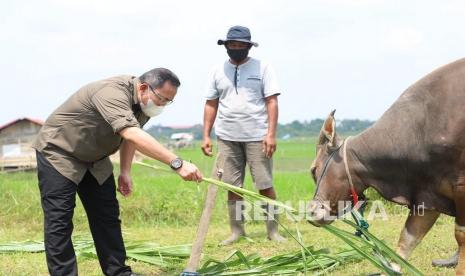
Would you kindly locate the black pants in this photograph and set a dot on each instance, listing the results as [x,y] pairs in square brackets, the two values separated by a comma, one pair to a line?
[58,197]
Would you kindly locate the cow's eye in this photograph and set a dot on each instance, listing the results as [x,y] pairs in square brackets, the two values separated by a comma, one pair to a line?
[313,171]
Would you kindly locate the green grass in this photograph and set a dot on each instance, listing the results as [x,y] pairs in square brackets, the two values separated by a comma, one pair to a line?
[166,210]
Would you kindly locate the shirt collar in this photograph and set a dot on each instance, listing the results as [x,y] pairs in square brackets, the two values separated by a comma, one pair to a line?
[135,82]
[240,66]
[135,105]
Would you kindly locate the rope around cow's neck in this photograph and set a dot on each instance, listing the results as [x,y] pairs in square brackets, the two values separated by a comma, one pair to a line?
[349,177]
[358,217]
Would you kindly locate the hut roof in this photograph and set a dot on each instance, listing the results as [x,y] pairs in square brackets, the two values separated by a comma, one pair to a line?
[35,121]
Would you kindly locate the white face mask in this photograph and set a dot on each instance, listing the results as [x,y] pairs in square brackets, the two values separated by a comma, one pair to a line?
[151,109]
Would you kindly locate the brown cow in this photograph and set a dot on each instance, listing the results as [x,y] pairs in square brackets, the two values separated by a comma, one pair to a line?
[414,155]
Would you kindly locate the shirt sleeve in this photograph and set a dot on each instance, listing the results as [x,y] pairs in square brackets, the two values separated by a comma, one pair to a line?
[270,82]
[114,106]
[212,91]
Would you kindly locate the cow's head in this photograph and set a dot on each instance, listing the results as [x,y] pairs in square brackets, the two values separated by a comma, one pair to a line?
[328,172]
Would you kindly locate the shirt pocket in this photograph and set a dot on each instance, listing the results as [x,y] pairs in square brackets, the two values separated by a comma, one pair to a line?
[254,87]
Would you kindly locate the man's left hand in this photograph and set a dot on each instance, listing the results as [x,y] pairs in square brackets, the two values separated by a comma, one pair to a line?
[269,146]
[125,184]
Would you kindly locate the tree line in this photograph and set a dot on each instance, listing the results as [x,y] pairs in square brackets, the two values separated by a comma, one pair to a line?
[294,129]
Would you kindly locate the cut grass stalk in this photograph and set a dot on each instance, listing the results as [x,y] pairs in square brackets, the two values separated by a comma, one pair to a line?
[285,264]
[148,252]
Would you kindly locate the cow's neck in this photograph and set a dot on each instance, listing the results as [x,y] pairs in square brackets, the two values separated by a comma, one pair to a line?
[376,163]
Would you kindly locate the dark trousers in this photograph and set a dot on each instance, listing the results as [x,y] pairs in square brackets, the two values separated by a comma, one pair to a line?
[58,197]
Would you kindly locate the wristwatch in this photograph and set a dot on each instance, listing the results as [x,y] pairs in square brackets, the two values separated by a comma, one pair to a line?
[176,163]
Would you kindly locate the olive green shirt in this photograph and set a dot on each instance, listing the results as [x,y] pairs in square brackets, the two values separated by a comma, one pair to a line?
[80,134]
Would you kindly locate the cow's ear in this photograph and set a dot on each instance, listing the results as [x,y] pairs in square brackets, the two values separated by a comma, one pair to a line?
[328,130]
[335,144]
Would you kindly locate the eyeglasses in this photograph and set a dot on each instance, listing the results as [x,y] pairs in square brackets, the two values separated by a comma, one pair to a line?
[164,100]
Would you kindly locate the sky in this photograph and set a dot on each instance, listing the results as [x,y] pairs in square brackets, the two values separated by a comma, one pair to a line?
[356,56]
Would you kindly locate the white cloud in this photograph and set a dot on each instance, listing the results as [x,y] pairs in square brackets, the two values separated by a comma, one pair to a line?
[403,39]
[454,7]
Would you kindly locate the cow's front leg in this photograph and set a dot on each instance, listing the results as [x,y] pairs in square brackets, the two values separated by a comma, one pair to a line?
[418,223]
[460,237]
[459,198]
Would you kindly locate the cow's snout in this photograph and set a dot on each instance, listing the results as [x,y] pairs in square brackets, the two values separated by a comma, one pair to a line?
[318,214]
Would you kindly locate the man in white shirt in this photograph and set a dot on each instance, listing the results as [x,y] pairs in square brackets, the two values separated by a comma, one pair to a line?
[243,98]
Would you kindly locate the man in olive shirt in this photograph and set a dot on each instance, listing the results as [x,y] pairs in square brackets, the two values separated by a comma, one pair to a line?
[72,157]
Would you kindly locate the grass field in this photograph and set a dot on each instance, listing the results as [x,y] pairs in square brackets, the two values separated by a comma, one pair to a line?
[166,210]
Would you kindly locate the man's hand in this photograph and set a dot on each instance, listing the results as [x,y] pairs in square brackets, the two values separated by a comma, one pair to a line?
[269,146]
[125,184]
[189,172]
[207,147]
